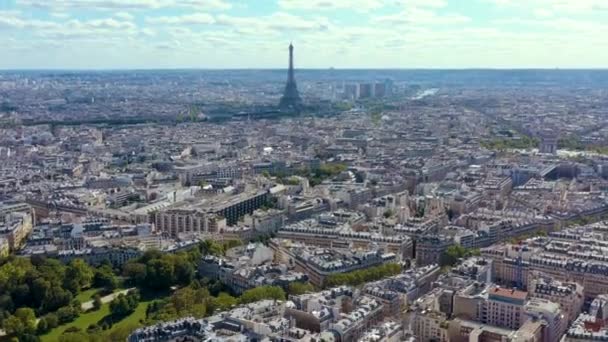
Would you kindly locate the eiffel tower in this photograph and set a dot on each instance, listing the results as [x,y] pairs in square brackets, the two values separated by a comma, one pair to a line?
[290,101]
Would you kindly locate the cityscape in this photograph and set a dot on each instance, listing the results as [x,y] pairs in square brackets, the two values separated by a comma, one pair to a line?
[303,205]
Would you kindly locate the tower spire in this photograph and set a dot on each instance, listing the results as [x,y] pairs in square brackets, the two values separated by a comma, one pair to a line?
[290,76]
[291,98]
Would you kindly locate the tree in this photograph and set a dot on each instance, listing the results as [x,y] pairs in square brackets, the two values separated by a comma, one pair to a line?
[47,323]
[160,273]
[52,270]
[21,295]
[454,253]
[136,272]
[51,320]
[28,317]
[29,338]
[21,323]
[215,287]
[56,298]
[13,326]
[224,302]
[105,277]
[119,306]
[361,276]
[190,301]
[299,288]
[78,274]
[6,303]
[72,285]
[40,287]
[210,247]
[124,305]
[262,292]
[66,314]
[97,302]
[43,326]
[184,270]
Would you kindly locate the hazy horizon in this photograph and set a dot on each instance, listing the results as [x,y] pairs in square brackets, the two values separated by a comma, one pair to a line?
[305,69]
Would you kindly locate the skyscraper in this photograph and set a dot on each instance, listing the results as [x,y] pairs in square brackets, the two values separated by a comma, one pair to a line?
[290,101]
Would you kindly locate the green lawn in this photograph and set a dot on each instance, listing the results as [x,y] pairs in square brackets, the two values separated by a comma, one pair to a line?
[140,312]
[87,295]
[81,322]
[134,318]
[129,323]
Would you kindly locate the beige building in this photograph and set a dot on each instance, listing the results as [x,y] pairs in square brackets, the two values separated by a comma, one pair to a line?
[461,330]
[427,322]
[569,295]
[492,313]
[505,307]
[550,314]
[401,246]
[178,221]
[15,228]
[514,263]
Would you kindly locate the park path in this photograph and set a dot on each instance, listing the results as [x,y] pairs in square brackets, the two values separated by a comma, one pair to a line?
[105,299]
[89,305]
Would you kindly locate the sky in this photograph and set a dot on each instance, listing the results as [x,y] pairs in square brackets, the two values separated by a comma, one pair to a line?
[216,34]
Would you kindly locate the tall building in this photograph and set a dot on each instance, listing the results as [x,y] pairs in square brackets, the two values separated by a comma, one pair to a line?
[379,89]
[365,90]
[290,101]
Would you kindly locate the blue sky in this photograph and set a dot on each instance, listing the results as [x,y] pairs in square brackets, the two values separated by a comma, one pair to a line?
[102,34]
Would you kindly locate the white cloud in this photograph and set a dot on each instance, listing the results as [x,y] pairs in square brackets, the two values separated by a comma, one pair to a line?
[126,4]
[109,23]
[10,21]
[69,29]
[543,13]
[564,6]
[124,16]
[361,5]
[330,5]
[423,3]
[416,16]
[208,5]
[559,26]
[406,33]
[13,20]
[147,32]
[275,21]
[60,15]
[188,19]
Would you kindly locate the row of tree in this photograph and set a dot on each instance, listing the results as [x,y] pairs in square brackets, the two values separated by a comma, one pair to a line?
[195,300]
[359,277]
[525,142]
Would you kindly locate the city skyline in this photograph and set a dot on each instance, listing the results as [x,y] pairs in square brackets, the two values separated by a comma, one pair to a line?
[221,34]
